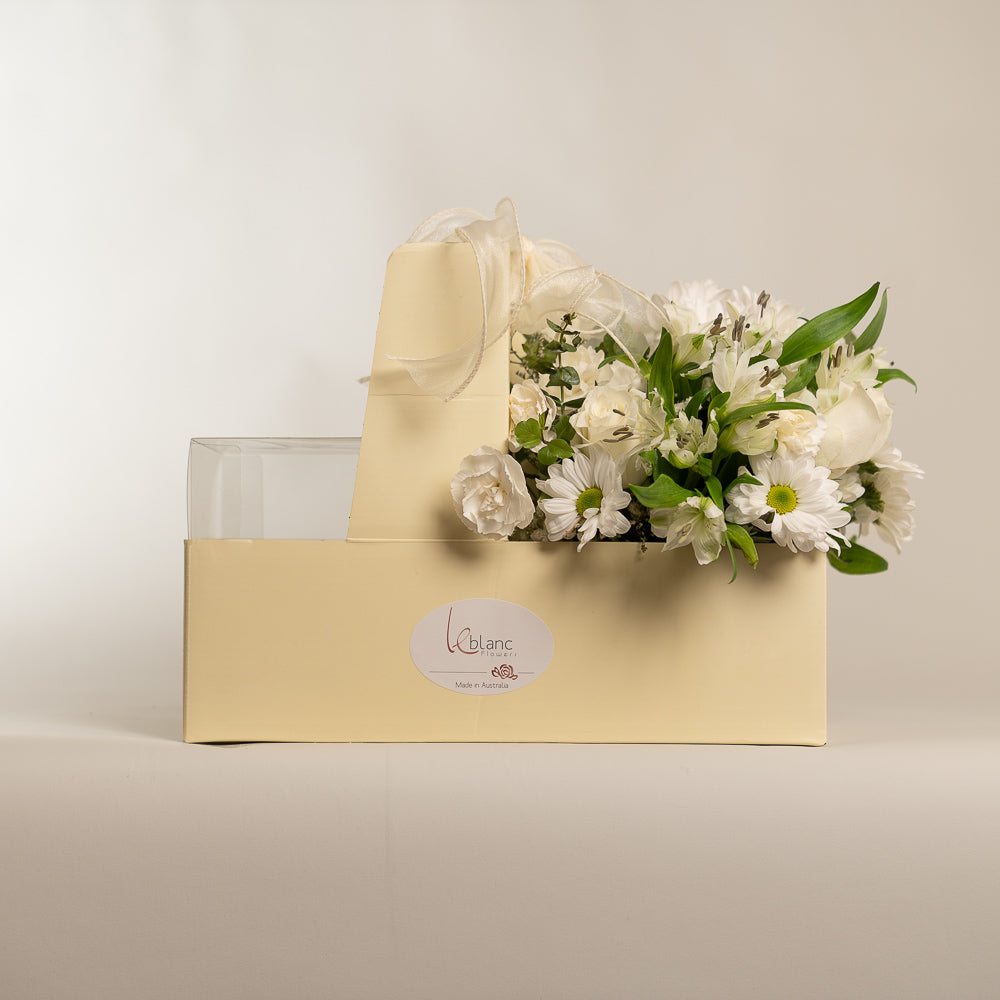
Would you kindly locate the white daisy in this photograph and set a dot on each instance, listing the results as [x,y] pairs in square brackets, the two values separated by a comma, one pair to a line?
[696,522]
[885,501]
[584,495]
[796,501]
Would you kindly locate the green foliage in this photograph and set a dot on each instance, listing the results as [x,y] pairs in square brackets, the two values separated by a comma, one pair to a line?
[856,560]
[820,332]
[664,492]
[767,406]
[661,372]
[890,374]
[529,433]
[740,537]
[805,375]
[555,451]
[869,338]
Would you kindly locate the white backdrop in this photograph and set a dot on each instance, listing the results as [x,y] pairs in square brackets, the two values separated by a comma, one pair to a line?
[197,199]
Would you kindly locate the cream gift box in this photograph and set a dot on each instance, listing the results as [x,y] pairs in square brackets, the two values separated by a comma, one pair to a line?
[329,639]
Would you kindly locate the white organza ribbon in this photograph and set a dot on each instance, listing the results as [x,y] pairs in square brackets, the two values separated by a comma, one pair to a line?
[524,284]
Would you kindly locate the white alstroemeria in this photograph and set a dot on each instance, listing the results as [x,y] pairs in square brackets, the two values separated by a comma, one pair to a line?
[745,382]
[618,375]
[585,495]
[796,501]
[686,439]
[586,361]
[490,494]
[696,522]
[767,322]
[621,421]
[840,364]
[858,422]
[527,402]
[755,436]
[885,501]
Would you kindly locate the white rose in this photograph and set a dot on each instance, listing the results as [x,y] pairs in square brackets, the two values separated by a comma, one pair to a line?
[490,494]
[527,401]
[622,421]
[619,375]
[857,426]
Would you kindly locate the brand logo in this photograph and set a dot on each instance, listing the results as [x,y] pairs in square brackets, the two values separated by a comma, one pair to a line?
[461,640]
[490,647]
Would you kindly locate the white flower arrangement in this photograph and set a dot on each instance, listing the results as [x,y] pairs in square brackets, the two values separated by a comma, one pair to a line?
[709,417]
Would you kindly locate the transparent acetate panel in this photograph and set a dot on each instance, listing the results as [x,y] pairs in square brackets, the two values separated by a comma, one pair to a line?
[271,487]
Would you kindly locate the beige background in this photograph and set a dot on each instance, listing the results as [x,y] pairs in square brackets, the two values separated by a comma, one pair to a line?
[196,203]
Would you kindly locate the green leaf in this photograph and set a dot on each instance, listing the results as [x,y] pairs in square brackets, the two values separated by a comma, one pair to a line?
[555,327]
[608,346]
[804,375]
[821,331]
[856,559]
[662,493]
[732,555]
[718,401]
[868,339]
[565,376]
[744,477]
[563,428]
[529,433]
[661,372]
[768,406]
[704,465]
[694,403]
[888,374]
[739,535]
[714,488]
[555,451]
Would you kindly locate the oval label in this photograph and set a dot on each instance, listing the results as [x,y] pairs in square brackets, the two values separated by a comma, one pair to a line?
[481,646]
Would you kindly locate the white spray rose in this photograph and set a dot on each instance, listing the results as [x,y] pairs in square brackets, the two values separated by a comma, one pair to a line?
[490,494]
[858,422]
[585,361]
[527,401]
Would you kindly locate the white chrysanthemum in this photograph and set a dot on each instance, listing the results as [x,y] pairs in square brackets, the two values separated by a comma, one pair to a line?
[696,522]
[584,495]
[686,439]
[885,501]
[490,494]
[796,501]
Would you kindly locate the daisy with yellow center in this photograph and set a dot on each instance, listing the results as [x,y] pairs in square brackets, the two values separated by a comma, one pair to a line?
[584,495]
[796,501]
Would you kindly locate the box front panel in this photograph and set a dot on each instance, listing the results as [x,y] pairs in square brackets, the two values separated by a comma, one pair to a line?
[310,641]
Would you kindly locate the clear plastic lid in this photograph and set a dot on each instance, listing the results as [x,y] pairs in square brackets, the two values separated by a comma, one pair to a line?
[271,487]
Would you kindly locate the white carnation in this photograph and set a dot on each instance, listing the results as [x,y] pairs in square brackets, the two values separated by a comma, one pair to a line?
[490,494]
